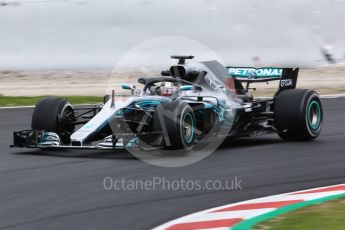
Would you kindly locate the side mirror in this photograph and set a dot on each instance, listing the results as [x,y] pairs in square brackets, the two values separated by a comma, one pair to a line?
[128,86]
[190,87]
[186,87]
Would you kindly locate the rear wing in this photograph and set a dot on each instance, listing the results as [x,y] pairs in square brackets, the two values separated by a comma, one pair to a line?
[286,76]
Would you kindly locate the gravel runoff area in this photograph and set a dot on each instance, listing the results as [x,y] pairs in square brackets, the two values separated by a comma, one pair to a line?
[329,80]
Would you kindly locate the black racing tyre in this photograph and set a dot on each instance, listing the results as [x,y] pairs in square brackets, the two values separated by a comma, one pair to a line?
[177,123]
[298,114]
[52,114]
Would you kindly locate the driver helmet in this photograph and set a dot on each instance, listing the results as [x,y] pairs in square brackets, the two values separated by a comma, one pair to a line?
[168,89]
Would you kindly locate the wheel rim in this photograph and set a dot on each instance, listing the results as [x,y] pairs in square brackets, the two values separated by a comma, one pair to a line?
[314,115]
[188,128]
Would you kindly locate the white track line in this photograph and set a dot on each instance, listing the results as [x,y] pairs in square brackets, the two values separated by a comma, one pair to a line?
[210,214]
[333,96]
[322,96]
[32,106]
[17,107]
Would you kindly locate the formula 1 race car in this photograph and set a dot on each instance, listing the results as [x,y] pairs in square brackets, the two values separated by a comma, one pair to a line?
[188,104]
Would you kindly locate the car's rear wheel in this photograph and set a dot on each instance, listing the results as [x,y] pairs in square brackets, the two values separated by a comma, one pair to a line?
[298,114]
[53,114]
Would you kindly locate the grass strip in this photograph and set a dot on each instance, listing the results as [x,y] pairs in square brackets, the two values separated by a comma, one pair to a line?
[253,222]
[26,101]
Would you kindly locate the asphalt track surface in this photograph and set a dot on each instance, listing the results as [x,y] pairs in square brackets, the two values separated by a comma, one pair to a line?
[64,190]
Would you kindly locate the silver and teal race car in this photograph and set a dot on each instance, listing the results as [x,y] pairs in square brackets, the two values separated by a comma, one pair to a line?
[188,104]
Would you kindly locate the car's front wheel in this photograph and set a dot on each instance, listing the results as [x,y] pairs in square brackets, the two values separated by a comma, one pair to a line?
[52,114]
[177,123]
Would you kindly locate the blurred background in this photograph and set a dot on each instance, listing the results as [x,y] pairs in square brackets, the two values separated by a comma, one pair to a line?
[70,42]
